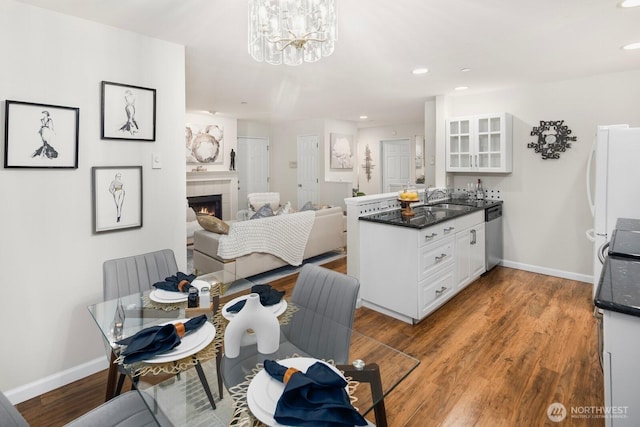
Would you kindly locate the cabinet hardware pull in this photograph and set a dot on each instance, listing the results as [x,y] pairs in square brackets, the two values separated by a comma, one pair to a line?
[441,291]
[473,240]
[448,230]
[431,237]
[441,257]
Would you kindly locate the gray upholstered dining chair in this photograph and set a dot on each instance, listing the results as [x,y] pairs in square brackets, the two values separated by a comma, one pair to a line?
[126,410]
[324,295]
[138,273]
[322,328]
[327,299]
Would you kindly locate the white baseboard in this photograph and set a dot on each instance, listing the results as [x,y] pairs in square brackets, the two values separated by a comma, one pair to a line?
[51,382]
[549,271]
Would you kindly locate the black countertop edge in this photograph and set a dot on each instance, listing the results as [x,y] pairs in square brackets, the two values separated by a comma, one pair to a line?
[619,286]
[394,216]
[620,308]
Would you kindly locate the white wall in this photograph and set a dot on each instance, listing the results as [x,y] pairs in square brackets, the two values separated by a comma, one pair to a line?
[372,137]
[49,257]
[254,129]
[546,211]
[284,178]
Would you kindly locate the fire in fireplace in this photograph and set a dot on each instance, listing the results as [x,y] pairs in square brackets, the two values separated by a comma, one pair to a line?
[211,204]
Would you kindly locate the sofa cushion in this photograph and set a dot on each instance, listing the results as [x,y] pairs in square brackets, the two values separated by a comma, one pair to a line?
[213,224]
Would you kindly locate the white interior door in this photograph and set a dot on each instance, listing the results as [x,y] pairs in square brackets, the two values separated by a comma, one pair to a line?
[252,164]
[307,158]
[396,164]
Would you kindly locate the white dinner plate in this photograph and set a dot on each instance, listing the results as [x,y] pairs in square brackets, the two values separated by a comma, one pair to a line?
[277,309]
[167,297]
[162,296]
[264,391]
[189,344]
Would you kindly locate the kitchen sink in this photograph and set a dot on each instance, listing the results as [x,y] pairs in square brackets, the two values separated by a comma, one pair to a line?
[451,207]
[431,208]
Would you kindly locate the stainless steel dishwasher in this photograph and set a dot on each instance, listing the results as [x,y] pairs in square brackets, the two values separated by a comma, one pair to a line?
[493,238]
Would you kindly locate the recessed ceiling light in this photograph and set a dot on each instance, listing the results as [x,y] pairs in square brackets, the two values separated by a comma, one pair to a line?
[363,117]
[630,3]
[631,46]
[243,102]
[419,71]
[465,70]
[462,88]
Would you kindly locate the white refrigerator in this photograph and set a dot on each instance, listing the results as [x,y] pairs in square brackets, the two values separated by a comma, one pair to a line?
[615,161]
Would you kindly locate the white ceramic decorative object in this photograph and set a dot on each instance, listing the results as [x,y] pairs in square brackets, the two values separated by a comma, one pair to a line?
[258,318]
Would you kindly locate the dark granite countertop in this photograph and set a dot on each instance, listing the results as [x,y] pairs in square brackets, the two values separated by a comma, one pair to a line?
[619,283]
[424,218]
[619,286]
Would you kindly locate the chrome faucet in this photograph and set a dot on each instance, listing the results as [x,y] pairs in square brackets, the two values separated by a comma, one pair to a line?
[429,194]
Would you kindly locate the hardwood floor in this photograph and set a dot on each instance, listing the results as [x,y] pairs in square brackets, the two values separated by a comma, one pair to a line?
[497,354]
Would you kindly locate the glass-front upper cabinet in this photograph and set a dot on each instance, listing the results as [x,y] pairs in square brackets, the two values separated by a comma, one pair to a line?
[459,143]
[480,143]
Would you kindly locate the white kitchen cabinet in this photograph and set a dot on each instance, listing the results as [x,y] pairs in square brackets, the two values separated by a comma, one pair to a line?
[435,290]
[396,262]
[470,253]
[621,368]
[408,273]
[479,143]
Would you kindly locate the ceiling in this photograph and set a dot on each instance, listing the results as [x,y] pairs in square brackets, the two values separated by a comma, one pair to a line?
[505,43]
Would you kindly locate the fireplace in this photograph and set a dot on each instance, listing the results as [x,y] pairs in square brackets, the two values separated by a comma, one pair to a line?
[211,204]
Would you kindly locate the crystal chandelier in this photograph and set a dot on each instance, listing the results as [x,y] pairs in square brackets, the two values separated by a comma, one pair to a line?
[292,31]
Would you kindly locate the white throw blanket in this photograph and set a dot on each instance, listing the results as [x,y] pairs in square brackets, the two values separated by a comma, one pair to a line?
[284,236]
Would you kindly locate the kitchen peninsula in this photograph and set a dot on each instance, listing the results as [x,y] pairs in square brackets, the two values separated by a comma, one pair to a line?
[411,265]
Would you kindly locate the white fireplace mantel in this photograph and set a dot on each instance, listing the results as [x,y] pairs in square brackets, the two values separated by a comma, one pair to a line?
[204,183]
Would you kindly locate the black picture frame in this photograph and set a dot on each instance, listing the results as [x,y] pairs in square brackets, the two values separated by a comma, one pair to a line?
[40,135]
[116,194]
[127,112]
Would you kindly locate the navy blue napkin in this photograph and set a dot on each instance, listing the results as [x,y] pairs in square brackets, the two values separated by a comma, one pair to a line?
[156,340]
[181,282]
[268,296]
[316,398]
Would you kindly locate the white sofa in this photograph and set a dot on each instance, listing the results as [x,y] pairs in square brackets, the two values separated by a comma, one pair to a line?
[326,235]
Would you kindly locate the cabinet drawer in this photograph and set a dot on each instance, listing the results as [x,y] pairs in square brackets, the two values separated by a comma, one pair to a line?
[436,232]
[435,290]
[435,256]
[469,220]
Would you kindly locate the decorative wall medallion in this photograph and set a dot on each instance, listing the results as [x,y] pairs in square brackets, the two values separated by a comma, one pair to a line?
[553,138]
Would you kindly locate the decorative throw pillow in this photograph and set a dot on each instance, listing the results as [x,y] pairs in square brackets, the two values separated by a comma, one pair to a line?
[213,224]
[308,207]
[283,210]
[263,212]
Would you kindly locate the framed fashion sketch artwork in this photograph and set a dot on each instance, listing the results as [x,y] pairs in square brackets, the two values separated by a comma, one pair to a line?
[40,135]
[128,112]
[117,197]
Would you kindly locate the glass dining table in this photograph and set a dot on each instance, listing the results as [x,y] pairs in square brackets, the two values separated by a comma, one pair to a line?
[186,389]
